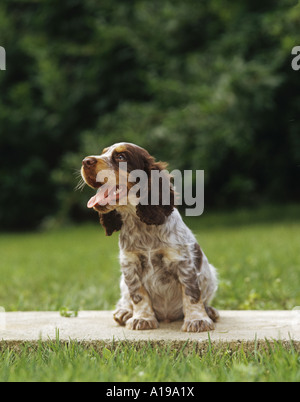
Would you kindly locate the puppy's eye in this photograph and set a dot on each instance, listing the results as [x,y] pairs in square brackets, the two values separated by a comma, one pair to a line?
[120,157]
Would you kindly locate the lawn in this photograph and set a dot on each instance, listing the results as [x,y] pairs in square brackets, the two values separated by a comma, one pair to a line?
[258,260]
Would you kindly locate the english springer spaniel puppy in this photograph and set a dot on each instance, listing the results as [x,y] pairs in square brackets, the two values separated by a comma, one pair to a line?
[165,274]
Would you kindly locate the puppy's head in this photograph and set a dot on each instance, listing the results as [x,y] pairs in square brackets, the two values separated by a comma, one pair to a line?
[109,174]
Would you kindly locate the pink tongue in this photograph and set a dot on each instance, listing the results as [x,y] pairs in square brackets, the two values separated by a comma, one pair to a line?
[92,202]
[99,198]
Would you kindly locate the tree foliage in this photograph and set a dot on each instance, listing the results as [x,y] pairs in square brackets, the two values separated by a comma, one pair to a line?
[201,84]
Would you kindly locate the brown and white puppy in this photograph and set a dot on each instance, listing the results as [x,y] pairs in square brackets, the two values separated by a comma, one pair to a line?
[165,274]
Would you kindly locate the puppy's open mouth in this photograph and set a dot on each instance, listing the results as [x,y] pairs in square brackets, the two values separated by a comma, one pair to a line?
[107,195]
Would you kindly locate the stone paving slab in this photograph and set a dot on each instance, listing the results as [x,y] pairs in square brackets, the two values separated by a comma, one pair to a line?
[234,328]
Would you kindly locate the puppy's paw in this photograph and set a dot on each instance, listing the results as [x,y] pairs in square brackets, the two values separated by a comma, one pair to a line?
[204,325]
[121,316]
[142,323]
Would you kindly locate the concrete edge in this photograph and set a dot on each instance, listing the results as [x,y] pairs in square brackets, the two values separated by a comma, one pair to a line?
[186,347]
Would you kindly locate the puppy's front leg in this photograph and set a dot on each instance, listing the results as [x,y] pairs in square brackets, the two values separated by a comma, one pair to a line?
[143,314]
[195,315]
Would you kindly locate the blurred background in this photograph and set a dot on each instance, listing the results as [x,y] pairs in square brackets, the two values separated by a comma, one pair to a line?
[200,84]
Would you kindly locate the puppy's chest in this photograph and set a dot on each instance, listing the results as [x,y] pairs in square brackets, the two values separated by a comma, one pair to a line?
[159,276]
[158,273]
[157,268]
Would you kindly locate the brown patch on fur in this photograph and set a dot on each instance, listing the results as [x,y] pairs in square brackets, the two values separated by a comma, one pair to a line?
[112,222]
[132,274]
[159,258]
[189,280]
[144,262]
[212,313]
[166,278]
[198,256]
[155,214]
[136,298]
[159,264]
[151,215]
[194,294]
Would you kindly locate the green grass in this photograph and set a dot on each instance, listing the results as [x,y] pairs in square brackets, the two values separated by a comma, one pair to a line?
[73,362]
[258,260]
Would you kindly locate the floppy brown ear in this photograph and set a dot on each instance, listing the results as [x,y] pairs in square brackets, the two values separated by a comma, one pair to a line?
[112,222]
[155,214]
[151,214]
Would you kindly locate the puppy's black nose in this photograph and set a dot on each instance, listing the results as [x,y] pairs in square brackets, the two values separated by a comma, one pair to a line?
[89,161]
